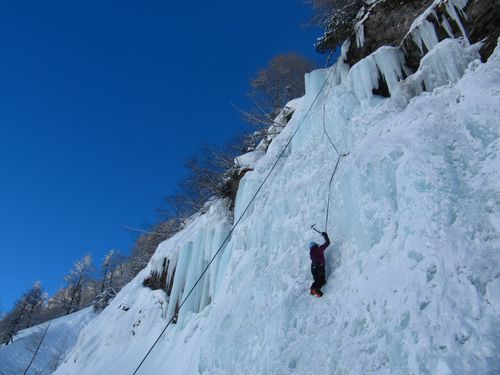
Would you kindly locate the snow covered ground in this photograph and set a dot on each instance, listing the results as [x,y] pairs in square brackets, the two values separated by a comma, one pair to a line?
[413,269]
[60,338]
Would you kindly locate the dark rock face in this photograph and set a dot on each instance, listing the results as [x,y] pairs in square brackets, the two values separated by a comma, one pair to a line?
[484,23]
[387,25]
[158,280]
[389,22]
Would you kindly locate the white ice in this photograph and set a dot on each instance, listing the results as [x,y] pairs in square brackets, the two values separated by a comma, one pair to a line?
[386,62]
[412,268]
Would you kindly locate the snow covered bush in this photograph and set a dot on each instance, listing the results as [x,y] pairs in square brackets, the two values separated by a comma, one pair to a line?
[103,299]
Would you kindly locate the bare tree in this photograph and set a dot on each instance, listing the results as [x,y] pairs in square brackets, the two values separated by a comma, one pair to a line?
[35,303]
[23,314]
[71,296]
[109,265]
[337,18]
[275,85]
[103,299]
[209,175]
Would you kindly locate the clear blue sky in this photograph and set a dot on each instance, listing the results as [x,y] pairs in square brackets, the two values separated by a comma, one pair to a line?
[101,102]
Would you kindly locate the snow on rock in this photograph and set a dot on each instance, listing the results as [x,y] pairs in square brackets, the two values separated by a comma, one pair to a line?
[412,270]
[278,124]
[61,337]
[424,33]
[445,63]
[248,160]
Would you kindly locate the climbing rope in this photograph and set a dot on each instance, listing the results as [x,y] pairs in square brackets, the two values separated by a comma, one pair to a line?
[238,221]
[38,347]
[334,169]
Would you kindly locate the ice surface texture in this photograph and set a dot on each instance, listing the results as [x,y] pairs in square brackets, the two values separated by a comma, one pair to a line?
[413,266]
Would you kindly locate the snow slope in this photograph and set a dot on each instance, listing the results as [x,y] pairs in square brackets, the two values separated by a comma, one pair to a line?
[413,269]
[60,338]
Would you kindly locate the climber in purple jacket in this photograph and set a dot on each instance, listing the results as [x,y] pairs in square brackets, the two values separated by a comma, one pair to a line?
[317,255]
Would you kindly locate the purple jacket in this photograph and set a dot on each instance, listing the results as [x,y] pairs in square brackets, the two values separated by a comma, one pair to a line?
[317,252]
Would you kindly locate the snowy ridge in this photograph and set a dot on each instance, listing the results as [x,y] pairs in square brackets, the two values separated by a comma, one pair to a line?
[61,337]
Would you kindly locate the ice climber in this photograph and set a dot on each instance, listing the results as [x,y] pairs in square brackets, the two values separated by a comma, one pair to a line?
[317,255]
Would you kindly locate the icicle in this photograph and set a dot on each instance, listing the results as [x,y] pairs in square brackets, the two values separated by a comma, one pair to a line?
[421,31]
[171,267]
[360,35]
[364,76]
[460,4]
[390,62]
[179,279]
[446,25]
[444,64]
[451,9]
[425,32]
[207,250]
[344,49]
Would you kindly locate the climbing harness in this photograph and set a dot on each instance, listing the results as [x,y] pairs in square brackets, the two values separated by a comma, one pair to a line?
[239,219]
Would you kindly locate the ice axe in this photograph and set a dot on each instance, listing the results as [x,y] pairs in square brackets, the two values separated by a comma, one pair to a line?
[314,229]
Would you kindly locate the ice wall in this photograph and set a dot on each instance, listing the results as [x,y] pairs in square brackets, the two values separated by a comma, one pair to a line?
[415,227]
[188,254]
[413,265]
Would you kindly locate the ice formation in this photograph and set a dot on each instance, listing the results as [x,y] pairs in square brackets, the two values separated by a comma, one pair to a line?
[425,35]
[361,17]
[360,35]
[387,62]
[423,31]
[249,159]
[415,227]
[187,254]
[445,63]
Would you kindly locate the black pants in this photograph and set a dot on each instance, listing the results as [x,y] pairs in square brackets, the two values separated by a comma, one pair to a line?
[318,272]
